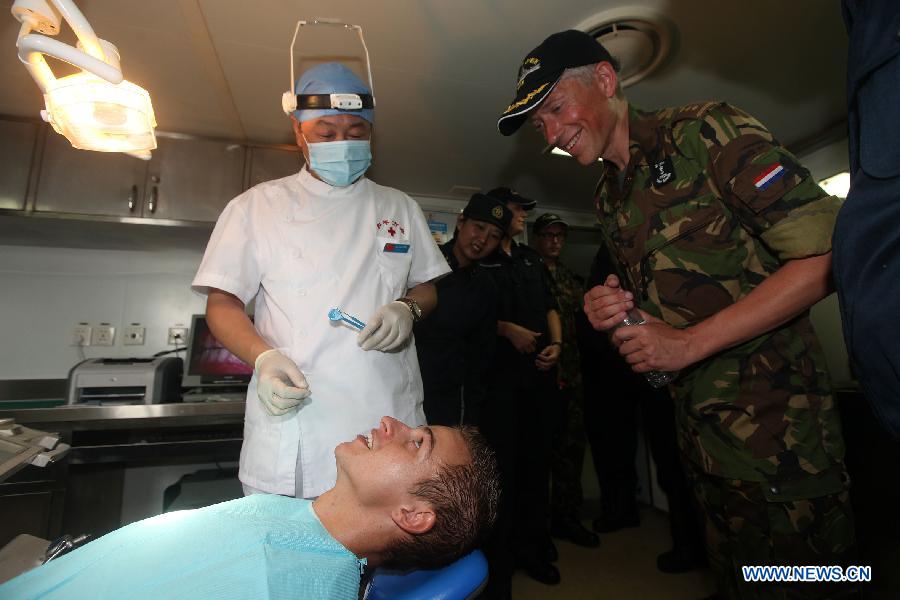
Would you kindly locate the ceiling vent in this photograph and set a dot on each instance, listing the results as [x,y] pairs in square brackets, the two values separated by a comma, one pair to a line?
[638,38]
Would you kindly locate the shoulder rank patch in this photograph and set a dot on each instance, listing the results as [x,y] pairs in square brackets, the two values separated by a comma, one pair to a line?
[663,172]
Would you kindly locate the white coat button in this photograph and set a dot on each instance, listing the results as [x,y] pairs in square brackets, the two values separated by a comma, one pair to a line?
[301,292]
[298,254]
[301,333]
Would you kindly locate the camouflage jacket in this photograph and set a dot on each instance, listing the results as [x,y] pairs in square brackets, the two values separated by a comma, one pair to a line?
[709,205]
[568,290]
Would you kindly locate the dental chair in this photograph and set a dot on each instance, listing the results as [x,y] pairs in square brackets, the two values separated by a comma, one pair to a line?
[461,580]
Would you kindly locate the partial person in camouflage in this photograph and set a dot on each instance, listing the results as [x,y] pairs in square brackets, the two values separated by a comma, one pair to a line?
[723,241]
[569,438]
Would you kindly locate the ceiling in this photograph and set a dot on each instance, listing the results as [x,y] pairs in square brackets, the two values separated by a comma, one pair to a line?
[444,69]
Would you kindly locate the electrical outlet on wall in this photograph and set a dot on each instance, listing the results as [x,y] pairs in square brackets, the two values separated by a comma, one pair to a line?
[103,334]
[81,335]
[178,336]
[133,335]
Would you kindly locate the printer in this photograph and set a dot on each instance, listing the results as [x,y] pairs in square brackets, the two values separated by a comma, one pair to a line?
[125,381]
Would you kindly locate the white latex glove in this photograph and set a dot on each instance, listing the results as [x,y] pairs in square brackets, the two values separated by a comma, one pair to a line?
[274,373]
[388,328]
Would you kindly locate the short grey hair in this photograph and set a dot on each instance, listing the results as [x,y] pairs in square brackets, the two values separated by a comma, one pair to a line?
[585,75]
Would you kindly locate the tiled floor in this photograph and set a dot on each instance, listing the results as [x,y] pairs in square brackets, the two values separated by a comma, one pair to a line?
[624,566]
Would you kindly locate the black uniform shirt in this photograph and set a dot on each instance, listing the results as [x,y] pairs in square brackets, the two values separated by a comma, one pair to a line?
[525,296]
[455,343]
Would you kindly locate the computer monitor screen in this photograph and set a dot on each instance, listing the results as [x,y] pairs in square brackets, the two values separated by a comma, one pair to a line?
[208,363]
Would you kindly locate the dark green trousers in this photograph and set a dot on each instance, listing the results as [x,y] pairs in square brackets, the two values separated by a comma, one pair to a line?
[746,526]
[567,459]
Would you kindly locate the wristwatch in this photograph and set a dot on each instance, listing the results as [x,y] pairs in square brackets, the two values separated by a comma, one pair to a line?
[413,307]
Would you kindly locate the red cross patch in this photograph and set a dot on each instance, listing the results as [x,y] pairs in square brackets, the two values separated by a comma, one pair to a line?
[390,226]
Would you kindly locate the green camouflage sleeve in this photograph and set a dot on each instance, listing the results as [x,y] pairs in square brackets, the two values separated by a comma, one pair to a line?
[773,195]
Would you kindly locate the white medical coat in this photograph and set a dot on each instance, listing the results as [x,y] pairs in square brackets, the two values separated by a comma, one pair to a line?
[302,247]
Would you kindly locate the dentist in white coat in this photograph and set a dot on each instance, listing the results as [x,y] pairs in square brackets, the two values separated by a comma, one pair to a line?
[326,237]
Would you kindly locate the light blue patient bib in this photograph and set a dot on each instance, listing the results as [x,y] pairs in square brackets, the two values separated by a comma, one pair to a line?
[260,546]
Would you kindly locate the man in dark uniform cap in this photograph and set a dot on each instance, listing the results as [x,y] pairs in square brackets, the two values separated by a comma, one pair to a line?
[724,242]
[519,408]
[455,343]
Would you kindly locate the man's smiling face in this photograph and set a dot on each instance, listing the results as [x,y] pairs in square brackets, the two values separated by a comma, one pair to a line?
[384,465]
[576,118]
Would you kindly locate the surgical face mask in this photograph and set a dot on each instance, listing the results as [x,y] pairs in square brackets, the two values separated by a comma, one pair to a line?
[339,163]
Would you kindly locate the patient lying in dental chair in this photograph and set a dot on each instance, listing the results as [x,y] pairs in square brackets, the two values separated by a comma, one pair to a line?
[404,498]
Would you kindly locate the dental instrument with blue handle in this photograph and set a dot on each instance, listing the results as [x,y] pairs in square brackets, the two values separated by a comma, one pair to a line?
[336,314]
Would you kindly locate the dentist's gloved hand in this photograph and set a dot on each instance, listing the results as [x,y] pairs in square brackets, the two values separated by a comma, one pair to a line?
[388,328]
[280,385]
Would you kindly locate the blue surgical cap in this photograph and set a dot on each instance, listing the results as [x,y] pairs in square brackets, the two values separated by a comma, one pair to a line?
[331,78]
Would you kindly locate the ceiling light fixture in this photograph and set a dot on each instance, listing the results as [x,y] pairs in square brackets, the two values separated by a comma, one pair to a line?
[837,185]
[639,38]
[95,109]
[560,152]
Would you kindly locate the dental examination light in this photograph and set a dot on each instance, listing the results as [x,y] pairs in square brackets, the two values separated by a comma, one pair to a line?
[95,109]
[291,101]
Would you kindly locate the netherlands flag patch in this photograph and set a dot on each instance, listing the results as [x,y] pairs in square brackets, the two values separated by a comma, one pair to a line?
[770,175]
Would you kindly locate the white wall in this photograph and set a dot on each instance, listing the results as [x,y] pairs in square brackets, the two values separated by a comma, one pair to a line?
[44,292]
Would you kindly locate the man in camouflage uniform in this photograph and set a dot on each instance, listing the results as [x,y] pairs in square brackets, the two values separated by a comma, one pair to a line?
[723,240]
[569,439]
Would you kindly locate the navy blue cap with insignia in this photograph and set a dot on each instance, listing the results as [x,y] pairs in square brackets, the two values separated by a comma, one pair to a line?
[546,220]
[542,67]
[506,195]
[490,210]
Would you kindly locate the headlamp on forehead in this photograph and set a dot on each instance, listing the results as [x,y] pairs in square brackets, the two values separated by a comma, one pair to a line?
[334,101]
[291,101]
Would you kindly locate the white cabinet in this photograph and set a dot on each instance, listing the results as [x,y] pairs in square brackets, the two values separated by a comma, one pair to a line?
[188,179]
[17,140]
[87,182]
[272,163]
[193,179]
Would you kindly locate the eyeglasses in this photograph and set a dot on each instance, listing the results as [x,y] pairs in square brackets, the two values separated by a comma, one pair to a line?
[553,236]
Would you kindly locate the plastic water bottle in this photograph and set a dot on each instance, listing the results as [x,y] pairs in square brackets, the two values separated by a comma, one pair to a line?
[656,379]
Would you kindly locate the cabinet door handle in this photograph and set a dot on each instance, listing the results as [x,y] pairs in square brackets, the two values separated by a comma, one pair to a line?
[132,198]
[154,196]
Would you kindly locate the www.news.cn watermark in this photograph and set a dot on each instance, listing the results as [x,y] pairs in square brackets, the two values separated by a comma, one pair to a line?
[807,573]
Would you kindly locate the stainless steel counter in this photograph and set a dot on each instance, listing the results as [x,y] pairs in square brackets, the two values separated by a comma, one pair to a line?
[202,431]
[85,418]
[83,492]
